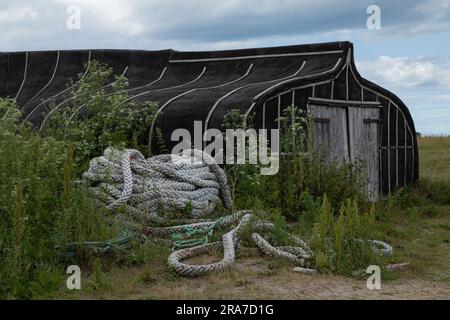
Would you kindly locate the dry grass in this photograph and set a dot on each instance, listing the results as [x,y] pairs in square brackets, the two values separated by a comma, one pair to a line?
[435,158]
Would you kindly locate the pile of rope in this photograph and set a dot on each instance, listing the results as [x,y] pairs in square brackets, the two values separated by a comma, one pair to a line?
[159,187]
[163,183]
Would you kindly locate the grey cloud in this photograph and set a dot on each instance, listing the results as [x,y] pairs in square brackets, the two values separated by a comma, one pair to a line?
[158,23]
[403,72]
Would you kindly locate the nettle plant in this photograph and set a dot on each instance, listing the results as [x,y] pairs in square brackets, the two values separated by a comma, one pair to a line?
[307,168]
[311,195]
[246,177]
[302,169]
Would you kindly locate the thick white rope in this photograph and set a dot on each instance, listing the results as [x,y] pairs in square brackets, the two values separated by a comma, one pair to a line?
[163,183]
[166,184]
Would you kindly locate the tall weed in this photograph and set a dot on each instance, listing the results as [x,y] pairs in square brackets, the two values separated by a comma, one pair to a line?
[42,206]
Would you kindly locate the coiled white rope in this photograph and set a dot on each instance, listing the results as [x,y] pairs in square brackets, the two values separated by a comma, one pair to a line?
[163,183]
[166,184]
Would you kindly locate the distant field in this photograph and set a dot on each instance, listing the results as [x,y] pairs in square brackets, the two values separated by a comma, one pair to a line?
[434,158]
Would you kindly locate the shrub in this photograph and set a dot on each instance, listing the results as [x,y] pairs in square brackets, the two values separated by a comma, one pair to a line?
[42,207]
[96,118]
[340,244]
[302,169]
[307,189]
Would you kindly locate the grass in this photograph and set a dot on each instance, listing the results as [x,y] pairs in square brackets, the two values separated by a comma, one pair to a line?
[435,158]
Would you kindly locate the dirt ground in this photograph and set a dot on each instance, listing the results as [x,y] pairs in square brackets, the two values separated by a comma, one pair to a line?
[255,284]
[253,278]
[292,285]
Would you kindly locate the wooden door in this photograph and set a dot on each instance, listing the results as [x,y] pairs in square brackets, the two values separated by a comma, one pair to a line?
[365,145]
[330,135]
[349,134]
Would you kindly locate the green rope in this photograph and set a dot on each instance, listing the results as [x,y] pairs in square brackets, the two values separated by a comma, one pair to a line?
[70,249]
[186,239]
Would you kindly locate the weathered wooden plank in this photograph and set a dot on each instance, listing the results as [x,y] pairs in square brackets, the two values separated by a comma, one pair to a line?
[364,130]
[330,133]
[372,156]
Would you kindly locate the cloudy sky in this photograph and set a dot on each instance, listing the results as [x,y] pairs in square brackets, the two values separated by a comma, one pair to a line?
[409,54]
